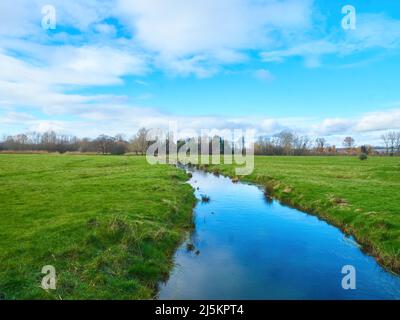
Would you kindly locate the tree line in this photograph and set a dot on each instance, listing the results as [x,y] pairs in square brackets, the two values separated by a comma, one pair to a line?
[289,143]
[391,141]
[54,142]
[103,144]
[283,143]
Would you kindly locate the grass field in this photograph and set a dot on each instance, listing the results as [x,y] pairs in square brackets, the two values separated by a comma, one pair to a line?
[109,225]
[361,197]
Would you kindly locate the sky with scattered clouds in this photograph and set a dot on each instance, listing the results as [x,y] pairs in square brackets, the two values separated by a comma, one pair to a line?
[113,66]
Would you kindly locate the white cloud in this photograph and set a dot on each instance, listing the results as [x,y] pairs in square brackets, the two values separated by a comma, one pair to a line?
[199,35]
[45,83]
[115,118]
[365,123]
[79,66]
[311,51]
[179,28]
[381,120]
[373,31]
[334,126]
[179,37]
[106,64]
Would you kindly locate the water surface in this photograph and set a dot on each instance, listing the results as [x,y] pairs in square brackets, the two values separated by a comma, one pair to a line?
[249,247]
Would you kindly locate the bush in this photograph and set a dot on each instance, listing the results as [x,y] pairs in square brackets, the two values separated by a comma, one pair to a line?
[363,156]
[118,149]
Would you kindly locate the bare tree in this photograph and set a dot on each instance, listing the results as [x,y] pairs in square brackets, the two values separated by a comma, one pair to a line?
[392,136]
[349,143]
[301,145]
[139,143]
[390,141]
[320,145]
[104,144]
[285,141]
[385,140]
[53,142]
[397,142]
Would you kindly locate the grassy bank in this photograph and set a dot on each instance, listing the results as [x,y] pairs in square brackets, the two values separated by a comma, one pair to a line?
[360,197]
[109,225]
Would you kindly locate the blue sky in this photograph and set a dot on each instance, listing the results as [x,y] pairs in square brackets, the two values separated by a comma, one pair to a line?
[115,66]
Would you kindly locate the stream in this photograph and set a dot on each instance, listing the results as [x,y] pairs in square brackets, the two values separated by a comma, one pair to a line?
[247,246]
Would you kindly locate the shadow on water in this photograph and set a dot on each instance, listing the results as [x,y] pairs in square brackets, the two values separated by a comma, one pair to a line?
[248,246]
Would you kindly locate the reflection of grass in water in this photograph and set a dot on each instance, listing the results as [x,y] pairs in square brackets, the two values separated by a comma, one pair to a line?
[109,225]
[361,197]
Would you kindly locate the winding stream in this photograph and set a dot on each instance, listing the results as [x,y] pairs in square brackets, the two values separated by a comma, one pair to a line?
[249,247]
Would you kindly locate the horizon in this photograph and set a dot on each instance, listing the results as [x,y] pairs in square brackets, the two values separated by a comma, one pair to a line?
[312,142]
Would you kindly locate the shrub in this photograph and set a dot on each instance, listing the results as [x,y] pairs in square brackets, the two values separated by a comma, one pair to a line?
[363,156]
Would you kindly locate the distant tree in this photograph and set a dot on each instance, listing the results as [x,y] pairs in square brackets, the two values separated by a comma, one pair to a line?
[320,144]
[349,143]
[119,148]
[397,142]
[139,143]
[52,142]
[285,140]
[392,136]
[283,143]
[367,149]
[331,149]
[119,138]
[104,144]
[301,145]
[390,141]
[364,149]
[385,140]
[87,145]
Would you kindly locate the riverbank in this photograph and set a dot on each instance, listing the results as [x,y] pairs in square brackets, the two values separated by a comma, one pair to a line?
[359,197]
[109,225]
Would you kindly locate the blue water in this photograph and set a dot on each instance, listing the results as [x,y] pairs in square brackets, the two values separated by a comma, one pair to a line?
[249,247]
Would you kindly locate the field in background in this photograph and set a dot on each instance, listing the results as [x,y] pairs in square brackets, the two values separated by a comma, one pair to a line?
[109,225]
[361,197]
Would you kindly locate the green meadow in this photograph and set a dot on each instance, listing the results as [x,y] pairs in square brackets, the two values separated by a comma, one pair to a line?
[360,197]
[109,225]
